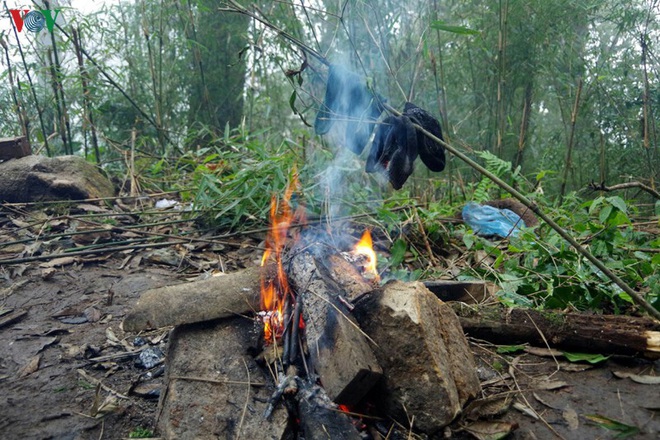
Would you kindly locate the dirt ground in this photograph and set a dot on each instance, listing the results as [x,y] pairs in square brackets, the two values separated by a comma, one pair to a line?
[69,340]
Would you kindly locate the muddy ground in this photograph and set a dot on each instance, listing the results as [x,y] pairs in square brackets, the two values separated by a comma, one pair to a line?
[66,339]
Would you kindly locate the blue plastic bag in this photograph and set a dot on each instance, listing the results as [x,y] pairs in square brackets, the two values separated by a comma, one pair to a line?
[486,220]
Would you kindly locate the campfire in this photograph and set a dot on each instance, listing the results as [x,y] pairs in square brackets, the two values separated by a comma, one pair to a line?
[335,354]
[314,281]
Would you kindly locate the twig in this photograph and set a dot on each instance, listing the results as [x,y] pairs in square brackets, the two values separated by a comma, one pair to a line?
[90,252]
[218,381]
[235,7]
[98,382]
[602,187]
[247,400]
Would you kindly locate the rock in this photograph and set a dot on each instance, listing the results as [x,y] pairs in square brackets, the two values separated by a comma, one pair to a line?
[429,368]
[40,178]
[214,389]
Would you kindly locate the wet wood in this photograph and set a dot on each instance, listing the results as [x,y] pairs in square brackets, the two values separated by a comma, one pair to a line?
[605,334]
[233,294]
[339,351]
[12,148]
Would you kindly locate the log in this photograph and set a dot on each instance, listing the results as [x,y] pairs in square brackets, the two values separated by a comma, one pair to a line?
[213,388]
[217,297]
[429,368]
[339,352]
[12,148]
[470,292]
[605,334]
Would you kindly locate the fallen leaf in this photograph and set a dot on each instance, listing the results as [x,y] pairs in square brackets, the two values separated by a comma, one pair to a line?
[526,410]
[544,402]
[571,417]
[61,261]
[643,379]
[543,352]
[483,430]
[549,385]
[30,367]
[613,425]
[488,407]
[587,357]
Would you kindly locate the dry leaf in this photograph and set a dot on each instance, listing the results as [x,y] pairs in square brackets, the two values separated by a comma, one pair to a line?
[643,379]
[61,261]
[571,418]
[526,410]
[30,367]
[483,430]
[544,352]
[549,385]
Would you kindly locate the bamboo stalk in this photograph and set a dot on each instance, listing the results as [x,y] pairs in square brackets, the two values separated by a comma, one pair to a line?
[87,106]
[501,50]
[569,147]
[32,89]
[59,90]
[20,114]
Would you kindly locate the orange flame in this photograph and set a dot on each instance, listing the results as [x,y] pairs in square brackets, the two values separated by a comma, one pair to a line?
[365,248]
[274,289]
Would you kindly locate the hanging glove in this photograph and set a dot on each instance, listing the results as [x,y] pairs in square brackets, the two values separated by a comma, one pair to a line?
[393,150]
[431,153]
[347,98]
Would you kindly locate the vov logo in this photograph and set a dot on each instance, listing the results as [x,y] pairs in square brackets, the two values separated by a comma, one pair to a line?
[34,21]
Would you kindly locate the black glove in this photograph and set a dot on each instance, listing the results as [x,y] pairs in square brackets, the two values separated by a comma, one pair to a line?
[394,150]
[431,153]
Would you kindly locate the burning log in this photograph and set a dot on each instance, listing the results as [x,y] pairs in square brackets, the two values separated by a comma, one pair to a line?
[214,389]
[339,351]
[429,368]
[217,297]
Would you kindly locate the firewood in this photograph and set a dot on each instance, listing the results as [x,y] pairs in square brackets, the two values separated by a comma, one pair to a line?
[429,368]
[217,297]
[339,352]
[605,334]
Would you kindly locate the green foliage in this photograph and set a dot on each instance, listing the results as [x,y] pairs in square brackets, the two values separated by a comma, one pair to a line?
[586,357]
[246,172]
[539,268]
[140,432]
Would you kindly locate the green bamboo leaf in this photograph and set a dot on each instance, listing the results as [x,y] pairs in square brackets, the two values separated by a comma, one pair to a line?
[460,30]
[624,431]
[586,357]
[504,349]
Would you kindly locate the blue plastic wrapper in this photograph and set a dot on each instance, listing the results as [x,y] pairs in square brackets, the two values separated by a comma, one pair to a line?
[486,220]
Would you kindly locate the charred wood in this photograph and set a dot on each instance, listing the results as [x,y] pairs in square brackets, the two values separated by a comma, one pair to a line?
[338,351]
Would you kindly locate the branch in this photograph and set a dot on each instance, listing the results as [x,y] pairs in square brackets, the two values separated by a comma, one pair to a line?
[602,187]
